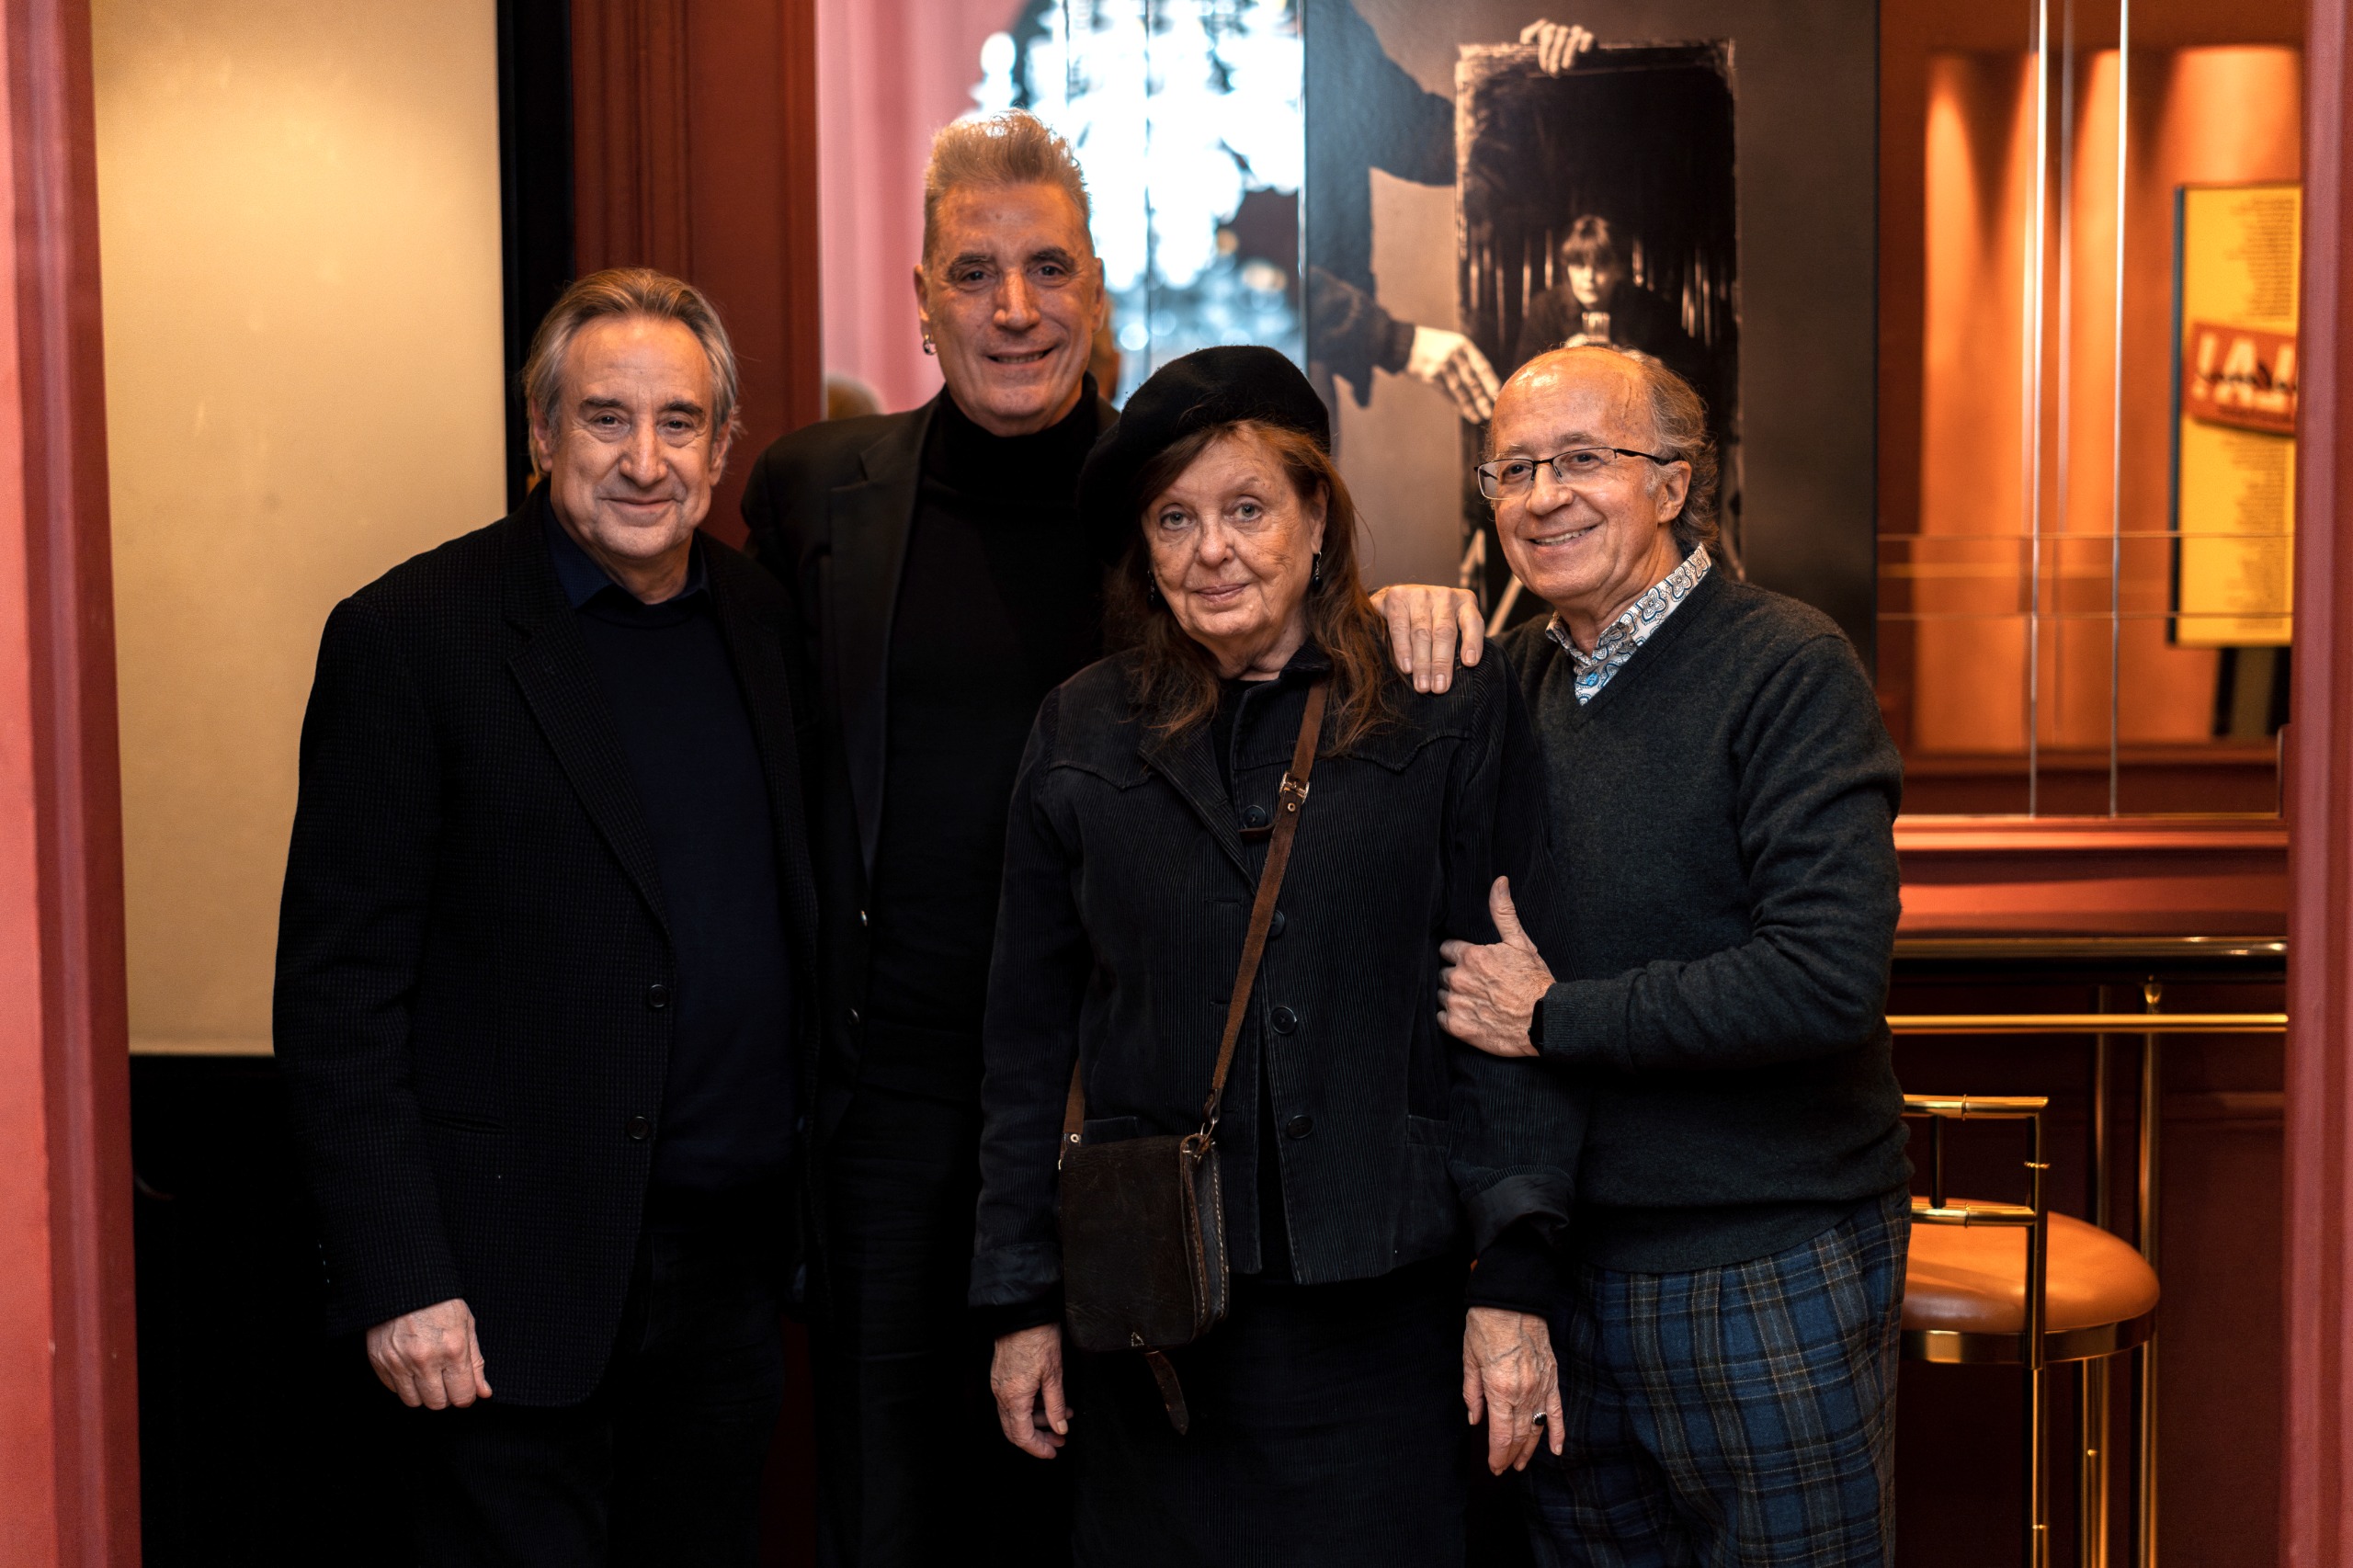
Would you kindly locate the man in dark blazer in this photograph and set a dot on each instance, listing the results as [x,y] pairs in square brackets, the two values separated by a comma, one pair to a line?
[945,587]
[545,976]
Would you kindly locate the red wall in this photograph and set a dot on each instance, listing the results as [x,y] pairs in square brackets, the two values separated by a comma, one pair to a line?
[68,1463]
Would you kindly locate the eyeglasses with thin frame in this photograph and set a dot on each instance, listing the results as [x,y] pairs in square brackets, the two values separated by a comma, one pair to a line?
[1516,476]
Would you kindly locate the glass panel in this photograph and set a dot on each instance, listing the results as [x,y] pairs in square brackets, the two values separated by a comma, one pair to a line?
[1186,116]
[2033,653]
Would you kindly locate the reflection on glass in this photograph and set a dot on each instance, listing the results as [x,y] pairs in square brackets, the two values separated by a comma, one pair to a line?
[1186,116]
[2034,655]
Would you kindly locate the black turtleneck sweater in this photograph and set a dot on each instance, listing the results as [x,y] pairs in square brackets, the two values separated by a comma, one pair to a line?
[999,603]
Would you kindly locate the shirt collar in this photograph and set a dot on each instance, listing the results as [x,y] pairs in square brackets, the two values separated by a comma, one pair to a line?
[1641,618]
[581,579]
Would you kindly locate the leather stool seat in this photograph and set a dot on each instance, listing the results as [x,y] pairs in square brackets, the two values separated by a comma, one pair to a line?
[1970,1280]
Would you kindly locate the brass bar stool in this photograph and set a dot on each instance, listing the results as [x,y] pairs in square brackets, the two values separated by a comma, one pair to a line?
[1972,1296]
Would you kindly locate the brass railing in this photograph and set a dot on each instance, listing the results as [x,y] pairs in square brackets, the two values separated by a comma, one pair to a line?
[2086,1023]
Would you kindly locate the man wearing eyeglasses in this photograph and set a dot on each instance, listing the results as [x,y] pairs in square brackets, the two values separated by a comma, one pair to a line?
[1724,1307]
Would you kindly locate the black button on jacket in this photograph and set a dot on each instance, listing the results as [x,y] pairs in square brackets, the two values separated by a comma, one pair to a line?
[1127,895]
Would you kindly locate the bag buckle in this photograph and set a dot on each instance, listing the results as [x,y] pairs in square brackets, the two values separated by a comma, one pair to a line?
[1289,795]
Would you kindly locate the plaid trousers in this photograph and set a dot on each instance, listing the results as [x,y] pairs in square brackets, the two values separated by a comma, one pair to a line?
[1731,1417]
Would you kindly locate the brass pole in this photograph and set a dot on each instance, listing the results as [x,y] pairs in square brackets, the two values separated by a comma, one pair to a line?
[2036,1376]
[2091,1486]
[2144,1527]
[2092,1423]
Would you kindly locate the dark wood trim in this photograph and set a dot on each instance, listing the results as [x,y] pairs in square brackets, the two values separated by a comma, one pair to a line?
[694,151]
[78,781]
[2093,876]
[804,366]
[535,191]
[2317,1480]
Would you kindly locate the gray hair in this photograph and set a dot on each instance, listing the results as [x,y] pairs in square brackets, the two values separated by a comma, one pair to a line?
[1012,148]
[629,291]
[1680,434]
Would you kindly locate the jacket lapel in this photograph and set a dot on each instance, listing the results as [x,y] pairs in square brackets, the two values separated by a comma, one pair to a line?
[561,688]
[1185,761]
[755,647]
[870,524]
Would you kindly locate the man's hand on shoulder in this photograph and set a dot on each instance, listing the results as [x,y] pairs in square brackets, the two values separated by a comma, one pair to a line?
[1426,625]
[430,1357]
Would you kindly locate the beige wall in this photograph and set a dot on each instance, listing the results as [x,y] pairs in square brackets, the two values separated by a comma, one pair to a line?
[300,229]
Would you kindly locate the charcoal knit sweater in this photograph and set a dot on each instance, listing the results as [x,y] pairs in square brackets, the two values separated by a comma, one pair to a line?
[1722,826]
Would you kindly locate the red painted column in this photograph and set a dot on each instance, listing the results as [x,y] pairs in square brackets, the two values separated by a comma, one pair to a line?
[2317,1501]
[68,1463]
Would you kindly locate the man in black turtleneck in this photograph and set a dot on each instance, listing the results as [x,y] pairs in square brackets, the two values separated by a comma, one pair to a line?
[947,587]
[997,605]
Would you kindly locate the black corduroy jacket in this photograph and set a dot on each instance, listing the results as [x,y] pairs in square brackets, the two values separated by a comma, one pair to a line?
[1128,887]
[472,1015]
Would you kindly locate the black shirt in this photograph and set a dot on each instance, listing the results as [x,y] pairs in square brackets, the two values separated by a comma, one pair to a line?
[999,603]
[727,1106]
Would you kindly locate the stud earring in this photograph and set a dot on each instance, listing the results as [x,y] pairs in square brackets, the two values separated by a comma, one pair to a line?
[1315,573]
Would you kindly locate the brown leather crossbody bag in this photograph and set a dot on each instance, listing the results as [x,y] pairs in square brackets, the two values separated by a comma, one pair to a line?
[1144,1219]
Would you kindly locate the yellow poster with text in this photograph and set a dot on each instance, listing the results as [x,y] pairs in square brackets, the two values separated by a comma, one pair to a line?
[2235,494]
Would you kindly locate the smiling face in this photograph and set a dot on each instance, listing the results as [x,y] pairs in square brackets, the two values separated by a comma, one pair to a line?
[1591,549]
[632,453]
[1011,295]
[1234,544]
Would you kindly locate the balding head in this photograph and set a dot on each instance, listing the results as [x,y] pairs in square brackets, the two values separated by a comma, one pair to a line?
[1650,398]
[1589,492]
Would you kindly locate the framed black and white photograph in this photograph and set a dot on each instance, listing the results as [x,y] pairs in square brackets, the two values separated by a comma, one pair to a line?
[1697,181]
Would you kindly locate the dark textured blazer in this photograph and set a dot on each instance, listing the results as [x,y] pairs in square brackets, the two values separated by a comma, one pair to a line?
[471,1014]
[1128,887]
[830,508]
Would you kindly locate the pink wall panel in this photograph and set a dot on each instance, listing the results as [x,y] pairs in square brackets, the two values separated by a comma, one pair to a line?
[890,72]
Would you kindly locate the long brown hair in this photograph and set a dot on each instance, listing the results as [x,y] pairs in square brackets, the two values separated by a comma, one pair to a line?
[1176,682]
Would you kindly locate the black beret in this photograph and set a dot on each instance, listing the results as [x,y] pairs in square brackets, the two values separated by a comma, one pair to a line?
[1206,388]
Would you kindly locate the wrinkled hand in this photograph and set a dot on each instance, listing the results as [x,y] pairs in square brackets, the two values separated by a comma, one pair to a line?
[1509,1375]
[1488,994]
[1452,363]
[1025,1376]
[1425,623]
[430,1357]
[1557,47]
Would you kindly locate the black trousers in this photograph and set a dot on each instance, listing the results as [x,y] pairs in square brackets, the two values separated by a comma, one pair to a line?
[913,1466]
[661,1466]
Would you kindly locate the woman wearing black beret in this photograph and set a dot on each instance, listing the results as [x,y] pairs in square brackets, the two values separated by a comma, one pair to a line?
[1363,1156]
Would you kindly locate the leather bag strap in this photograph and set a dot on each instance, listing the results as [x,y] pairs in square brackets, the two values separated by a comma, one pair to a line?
[1288,798]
